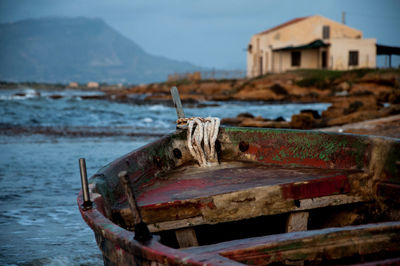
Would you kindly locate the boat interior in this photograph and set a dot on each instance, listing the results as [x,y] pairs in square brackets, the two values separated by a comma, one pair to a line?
[279,197]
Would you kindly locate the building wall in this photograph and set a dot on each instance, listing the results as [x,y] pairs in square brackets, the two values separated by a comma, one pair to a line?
[339,53]
[301,32]
[283,60]
[306,31]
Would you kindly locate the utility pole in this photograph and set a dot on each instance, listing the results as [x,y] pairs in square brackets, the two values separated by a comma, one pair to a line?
[343,17]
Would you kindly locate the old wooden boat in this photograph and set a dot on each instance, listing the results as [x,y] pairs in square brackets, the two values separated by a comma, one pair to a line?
[277,196]
[281,197]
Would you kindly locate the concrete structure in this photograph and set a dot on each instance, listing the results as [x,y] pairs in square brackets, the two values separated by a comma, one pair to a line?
[309,42]
[93,85]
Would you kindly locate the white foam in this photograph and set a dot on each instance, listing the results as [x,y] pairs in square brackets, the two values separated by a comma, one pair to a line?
[58,261]
[24,217]
[157,107]
[147,120]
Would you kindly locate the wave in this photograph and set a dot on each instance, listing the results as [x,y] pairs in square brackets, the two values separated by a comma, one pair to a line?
[21,95]
[89,259]
[77,131]
[158,107]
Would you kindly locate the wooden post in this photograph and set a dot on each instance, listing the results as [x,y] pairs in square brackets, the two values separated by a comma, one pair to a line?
[186,237]
[297,221]
[87,204]
[142,232]
[177,102]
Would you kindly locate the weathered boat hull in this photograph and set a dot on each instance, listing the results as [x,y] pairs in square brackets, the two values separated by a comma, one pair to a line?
[358,169]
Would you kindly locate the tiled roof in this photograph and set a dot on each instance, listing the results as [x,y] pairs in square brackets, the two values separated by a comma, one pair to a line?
[295,20]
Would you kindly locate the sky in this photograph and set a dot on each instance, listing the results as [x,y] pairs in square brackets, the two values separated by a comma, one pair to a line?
[212,33]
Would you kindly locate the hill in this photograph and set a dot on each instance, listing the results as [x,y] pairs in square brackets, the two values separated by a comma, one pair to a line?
[77,49]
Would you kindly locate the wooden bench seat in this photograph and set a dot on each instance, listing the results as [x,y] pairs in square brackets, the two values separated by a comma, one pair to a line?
[231,191]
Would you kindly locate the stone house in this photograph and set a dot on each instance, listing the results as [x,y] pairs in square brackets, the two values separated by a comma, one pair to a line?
[309,42]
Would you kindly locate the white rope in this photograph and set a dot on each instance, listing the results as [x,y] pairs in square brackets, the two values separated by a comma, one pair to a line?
[201,136]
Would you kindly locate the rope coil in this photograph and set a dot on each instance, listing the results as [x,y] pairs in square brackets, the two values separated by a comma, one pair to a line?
[201,136]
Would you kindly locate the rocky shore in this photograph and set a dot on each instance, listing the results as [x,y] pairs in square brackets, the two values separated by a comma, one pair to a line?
[355,96]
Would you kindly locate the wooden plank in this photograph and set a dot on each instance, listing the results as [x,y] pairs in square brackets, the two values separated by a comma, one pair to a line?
[203,218]
[341,199]
[169,225]
[186,237]
[329,243]
[297,221]
[177,102]
[124,179]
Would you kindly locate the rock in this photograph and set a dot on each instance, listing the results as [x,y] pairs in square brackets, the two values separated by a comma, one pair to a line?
[394,96]
[93,97]
[383,96]
[343,86]
[303,121]
[392,109]
[55,96]
[260,118]
[266,124]
[278,89]
[314,113]
[354,117]
[381,78]
[353,107]
[257,95]
[280,119]
[362,93]
[339,106]
[342,93]
[245,115]
[231,121]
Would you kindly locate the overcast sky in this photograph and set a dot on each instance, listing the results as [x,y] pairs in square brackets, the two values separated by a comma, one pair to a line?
[211,33]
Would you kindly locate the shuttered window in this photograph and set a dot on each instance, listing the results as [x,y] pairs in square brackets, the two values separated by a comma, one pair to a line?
[353,58]
[326,32]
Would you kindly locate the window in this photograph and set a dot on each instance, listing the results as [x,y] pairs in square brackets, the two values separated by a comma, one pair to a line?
[296,58]
[353,58]
[326,32]
[250,48]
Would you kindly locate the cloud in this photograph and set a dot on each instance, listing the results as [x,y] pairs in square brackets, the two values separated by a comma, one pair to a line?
[208,32]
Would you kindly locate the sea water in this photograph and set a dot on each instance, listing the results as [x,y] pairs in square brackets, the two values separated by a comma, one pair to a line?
[41,140]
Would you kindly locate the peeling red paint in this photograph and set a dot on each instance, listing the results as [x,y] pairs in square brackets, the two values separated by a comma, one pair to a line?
[163,193]
[316,188]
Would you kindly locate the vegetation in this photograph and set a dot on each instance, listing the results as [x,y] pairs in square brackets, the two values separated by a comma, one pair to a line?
[320,78]
[324,79]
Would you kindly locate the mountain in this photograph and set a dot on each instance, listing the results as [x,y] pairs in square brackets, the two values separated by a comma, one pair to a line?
[77,49]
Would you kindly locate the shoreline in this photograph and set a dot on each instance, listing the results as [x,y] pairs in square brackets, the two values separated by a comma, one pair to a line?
[355,96]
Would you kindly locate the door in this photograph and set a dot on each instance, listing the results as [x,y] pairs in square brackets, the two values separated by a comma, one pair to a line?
[324,59]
